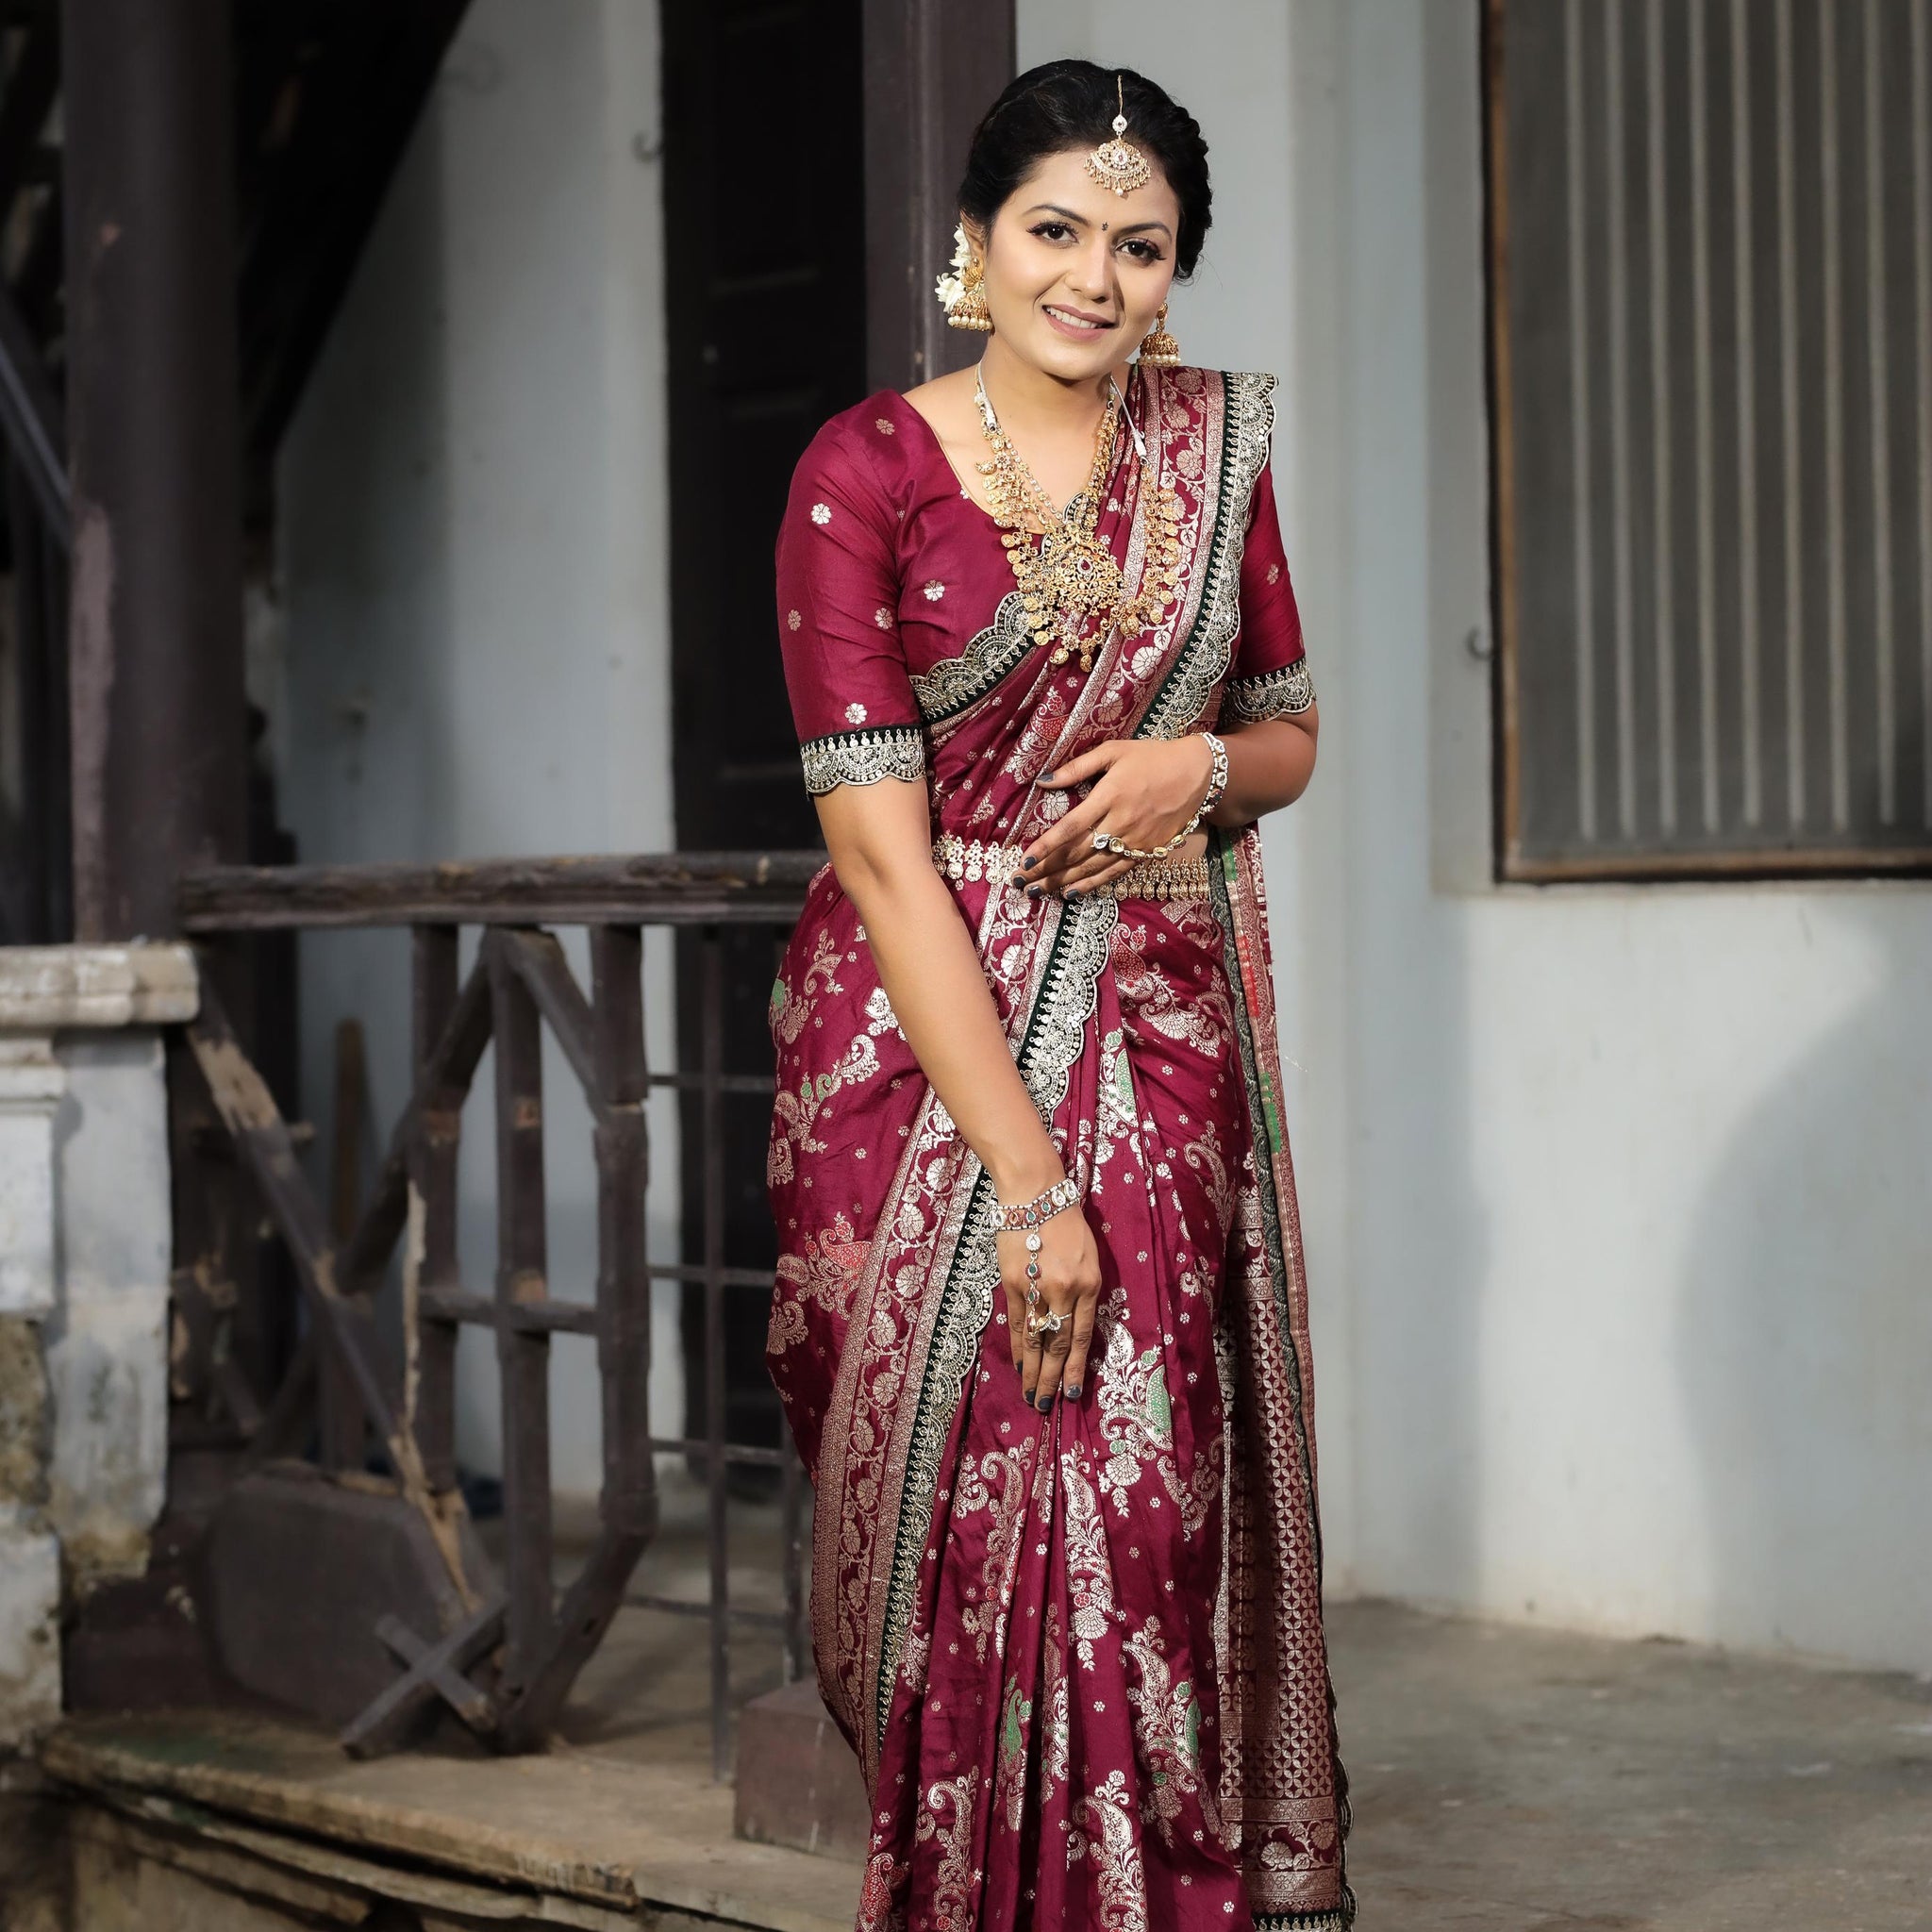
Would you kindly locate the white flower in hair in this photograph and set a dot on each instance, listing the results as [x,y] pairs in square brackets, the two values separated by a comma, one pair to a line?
[951,287]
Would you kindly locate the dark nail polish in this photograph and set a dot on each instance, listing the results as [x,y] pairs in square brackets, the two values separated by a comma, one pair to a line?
[1031,858]
[1047,777]
[1033,892]
[1073,1394]
[1018,878]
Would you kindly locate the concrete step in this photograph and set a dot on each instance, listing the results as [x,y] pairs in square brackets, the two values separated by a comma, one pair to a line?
[565,1837]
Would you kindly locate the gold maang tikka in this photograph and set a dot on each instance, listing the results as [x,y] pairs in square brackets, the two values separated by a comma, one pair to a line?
[1117,163]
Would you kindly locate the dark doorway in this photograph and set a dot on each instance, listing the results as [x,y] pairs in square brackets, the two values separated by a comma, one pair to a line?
[764,194]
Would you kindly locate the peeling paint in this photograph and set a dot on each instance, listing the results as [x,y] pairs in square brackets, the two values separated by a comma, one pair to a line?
[91,677]
[23,1415]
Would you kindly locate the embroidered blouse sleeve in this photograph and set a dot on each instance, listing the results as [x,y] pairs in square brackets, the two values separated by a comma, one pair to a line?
[837,622]
[1270,674]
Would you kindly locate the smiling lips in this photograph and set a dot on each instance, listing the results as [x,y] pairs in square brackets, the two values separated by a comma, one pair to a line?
[1071,322]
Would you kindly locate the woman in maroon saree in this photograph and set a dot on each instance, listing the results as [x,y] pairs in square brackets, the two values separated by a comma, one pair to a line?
[1077,1647]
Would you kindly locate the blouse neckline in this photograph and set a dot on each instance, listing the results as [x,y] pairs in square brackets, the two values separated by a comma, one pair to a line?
[937,449]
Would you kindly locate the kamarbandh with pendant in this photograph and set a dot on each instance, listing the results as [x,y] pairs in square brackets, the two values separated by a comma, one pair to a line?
[1071,580]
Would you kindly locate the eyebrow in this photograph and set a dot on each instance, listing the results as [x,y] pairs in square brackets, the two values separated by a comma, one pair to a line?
[1052,208]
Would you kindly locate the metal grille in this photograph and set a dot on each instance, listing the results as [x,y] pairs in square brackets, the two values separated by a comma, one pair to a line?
[1711,322]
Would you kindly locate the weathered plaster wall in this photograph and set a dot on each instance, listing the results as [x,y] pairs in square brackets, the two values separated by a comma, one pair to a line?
[85,1234]
[1616,1209]
[473,602]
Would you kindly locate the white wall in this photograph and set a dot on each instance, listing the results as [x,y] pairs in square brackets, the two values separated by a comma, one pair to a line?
[473,629]
[1617,1200]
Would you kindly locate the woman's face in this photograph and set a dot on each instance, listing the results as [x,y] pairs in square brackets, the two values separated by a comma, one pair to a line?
[1075,272]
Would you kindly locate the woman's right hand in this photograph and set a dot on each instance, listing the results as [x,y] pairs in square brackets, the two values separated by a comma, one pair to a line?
[1069,1285]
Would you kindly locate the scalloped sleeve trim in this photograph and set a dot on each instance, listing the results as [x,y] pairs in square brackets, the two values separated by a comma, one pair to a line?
[863,757]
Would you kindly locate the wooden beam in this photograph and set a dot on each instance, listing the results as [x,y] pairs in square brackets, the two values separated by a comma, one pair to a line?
[433,1152]
[523,1355]
[673,887]
[932,69]
[440,1091]
[539,961]
[262,1137]
[160,746]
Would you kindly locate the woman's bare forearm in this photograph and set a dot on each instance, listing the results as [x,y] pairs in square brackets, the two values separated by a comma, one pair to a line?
[1268,765]
[931,973]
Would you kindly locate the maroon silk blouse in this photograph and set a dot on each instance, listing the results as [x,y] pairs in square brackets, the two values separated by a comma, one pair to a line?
[887,569]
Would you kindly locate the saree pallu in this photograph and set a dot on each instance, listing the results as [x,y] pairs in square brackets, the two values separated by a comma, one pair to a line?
[1079,1654]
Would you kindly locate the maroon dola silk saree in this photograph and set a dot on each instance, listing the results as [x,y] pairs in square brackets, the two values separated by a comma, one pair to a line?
[1079,1654]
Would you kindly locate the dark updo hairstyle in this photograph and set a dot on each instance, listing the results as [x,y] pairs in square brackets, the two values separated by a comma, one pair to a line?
[1071,104]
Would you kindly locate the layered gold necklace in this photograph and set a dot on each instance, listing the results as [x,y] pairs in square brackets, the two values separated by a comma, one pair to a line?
[1072,588]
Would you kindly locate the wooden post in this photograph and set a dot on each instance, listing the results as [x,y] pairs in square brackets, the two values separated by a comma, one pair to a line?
[932,67]
[434,1145]
[523,1352]
[160,738]
[624,1280]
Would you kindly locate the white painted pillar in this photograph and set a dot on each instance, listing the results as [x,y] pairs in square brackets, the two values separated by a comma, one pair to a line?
[86,1241]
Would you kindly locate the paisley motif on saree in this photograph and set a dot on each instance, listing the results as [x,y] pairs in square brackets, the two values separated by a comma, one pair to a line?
[982,1620]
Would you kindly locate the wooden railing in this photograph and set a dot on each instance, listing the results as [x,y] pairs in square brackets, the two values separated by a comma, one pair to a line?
[507,1665]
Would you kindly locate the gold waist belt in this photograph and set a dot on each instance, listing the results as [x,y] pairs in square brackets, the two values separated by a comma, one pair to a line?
[1148,878]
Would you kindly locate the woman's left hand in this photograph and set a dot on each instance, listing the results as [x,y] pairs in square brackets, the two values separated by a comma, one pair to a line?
[1146,790]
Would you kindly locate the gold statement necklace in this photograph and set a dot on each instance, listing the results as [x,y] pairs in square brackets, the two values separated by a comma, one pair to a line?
[1072,588]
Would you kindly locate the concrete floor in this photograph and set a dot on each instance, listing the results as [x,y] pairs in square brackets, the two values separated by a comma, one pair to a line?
[1502,1778]
[1525,1781]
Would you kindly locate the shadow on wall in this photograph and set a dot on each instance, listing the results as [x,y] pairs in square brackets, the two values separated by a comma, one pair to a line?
[1806,1331]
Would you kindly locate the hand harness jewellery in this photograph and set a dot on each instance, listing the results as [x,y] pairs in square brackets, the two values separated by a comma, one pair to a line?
[1216,784]
[1065,1192]
[1070,581]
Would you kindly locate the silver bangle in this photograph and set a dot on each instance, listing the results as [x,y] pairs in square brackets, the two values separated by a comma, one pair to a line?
[1064,1192]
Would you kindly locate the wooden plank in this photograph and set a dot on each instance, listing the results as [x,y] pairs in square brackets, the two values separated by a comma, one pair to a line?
[343,1445]
[548,1317]
[440,1091]
[540,960]
[615,1050]
[588,1606]
[434,1145]
[585,1825]
[433,1670]
[523,1356]
[646,889]
[262,1135]
[389,1722]
[622,1150]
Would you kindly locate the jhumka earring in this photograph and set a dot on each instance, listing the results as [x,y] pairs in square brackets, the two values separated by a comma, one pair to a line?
[1119,164]
[1156,346]
[962,289]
